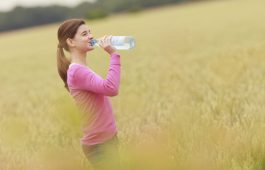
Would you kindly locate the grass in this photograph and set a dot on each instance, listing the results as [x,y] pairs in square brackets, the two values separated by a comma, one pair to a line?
[191,97]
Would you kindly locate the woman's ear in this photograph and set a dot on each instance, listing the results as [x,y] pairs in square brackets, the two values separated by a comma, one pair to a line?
[70,42]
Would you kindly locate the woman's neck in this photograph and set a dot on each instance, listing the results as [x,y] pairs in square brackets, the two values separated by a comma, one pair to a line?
[79,58]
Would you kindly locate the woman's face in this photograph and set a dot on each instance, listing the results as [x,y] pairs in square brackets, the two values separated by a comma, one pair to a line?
[82,39]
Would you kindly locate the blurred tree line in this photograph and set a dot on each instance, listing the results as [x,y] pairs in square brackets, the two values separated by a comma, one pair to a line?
[21,17]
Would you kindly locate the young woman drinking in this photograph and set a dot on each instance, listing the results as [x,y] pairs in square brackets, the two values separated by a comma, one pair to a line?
[90,91]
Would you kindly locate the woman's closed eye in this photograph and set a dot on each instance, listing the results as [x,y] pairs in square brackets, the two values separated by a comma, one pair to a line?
[84,33]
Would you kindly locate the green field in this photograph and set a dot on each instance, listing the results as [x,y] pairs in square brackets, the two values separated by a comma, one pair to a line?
[192,93]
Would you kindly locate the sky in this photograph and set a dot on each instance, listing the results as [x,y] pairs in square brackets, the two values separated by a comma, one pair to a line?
[6,5]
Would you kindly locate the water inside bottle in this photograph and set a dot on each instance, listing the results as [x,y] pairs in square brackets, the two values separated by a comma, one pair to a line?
[122,42]
[119,42]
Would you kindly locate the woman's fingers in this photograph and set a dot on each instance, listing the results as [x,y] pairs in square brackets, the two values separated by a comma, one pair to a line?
[105,43]
[101,41]
[109,39]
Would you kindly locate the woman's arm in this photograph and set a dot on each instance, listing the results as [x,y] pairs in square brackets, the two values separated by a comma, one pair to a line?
[85,79]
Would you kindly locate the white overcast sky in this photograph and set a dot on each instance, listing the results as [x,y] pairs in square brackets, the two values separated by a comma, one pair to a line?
[6,5]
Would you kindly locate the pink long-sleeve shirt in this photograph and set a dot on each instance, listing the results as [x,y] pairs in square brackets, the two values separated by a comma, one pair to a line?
[91,93]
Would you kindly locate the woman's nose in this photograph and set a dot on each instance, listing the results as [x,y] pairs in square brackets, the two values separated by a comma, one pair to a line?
[90,36]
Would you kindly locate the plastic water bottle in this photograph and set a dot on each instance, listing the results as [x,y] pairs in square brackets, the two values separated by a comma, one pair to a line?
[119,42]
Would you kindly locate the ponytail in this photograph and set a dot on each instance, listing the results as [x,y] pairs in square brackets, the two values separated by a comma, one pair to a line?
[66,30]
[62,65]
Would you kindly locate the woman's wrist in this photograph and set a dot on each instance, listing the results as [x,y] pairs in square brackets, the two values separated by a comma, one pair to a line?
[110,50]
[115,53]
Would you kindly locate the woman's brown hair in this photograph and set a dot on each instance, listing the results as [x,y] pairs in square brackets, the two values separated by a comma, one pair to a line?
[66,30]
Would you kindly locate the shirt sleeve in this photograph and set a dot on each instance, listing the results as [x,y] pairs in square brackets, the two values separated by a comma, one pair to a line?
[86,79]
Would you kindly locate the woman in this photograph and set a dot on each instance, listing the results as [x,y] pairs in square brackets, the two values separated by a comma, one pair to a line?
[90,91]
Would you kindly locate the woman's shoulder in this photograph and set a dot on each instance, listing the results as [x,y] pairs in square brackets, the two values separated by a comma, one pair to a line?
[75,68]
[71,72]
[76,65]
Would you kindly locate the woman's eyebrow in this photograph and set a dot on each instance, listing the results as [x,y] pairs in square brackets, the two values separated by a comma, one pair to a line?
[84,32]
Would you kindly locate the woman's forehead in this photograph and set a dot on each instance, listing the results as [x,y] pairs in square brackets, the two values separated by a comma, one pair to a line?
[83,28]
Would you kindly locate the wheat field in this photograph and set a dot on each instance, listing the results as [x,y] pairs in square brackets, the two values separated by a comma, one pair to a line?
[192,93]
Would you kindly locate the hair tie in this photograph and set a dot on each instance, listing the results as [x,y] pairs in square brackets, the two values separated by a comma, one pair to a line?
[59,46]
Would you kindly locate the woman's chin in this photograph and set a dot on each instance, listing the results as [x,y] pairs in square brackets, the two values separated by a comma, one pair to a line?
[90,48]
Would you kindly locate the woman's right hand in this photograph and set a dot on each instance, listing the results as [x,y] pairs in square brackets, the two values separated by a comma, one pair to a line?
[104,43]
